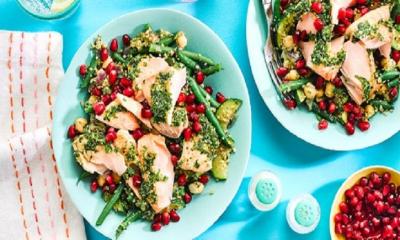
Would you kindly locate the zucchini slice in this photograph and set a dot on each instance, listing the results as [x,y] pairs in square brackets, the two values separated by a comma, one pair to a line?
[220,164]
[226,113]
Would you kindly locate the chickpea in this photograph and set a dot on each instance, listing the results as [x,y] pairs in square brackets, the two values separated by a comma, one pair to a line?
[292,75]
[310,91]
[388,63]
[101,180]
[320,94]
[369,111]
[330,90]
[288,42]
[116,177]
[196,187]
[181,40]
[80,124]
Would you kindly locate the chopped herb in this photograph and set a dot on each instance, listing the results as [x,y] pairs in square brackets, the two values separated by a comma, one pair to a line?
[112,112]
[179,117]
[161,98]
[366,30]
[365,85]
[322,56]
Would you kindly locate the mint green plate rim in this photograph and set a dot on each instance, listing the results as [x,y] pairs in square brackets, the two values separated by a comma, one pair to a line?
[205,209]
[57,15]
[299,122]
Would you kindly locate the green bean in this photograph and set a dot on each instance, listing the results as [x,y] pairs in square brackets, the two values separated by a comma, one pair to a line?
[212,69]
[160,49]
[83,176]
[393,83]
[91,71]
[107,208]
[130,218]
[388,75]
[198,57]
[293,85]
[118,57]
[382,105]
[213,102]
[323,114]
[210,115]
[166,41]
[187,61]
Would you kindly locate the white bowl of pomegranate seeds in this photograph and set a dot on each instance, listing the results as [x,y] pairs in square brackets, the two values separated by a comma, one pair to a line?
[367,205]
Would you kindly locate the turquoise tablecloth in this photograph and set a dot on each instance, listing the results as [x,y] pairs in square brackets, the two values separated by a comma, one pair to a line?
[301,167]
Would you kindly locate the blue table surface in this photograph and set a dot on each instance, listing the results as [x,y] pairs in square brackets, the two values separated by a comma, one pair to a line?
[300,166]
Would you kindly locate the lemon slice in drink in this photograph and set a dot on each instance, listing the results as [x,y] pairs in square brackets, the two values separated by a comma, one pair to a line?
[60,5]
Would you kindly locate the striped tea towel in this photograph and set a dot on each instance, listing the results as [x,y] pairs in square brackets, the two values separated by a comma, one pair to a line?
[33,202]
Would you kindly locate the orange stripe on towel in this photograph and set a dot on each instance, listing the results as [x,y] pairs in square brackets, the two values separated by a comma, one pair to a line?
[10,80]
[21,203]
[48,78]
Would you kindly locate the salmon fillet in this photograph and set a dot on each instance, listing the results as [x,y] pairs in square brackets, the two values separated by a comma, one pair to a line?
[306,23]
[122,120]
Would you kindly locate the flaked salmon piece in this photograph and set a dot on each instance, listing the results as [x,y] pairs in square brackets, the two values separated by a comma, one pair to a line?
[148,67]
[147,84]
[121,119]
[134,107]
[373,18]
[124,141]
[356,65]
[307,23]
[173,131]
[113,161]
[336,5]
[135,190]
[177,82]
[386,50]
[192,159]
[84,156]
[327,72]
[155,144]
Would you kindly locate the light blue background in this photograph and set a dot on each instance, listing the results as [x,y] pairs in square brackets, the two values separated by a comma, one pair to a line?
[300,166]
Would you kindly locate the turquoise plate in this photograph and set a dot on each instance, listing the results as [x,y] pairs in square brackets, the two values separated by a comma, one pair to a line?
[300,122]
[204,209]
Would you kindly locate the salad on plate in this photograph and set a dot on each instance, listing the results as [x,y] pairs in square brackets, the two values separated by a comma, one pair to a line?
[154,134]
[339,59]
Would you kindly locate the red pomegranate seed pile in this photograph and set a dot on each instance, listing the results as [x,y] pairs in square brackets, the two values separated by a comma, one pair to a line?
[371,209]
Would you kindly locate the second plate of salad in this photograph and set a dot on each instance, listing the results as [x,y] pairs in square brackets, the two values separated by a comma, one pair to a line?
[152,126]
[338,63]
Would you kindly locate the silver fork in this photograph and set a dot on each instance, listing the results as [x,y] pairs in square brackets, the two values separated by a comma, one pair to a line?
[271,60]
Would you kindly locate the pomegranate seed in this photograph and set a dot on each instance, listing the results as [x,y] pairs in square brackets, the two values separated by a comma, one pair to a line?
[396,55]
[110,137]
[364,10]
[181,98]
[136,180]
[82,70]
[319,83]
[363,125]
[187,198]
[349,193]
[363,181]
[387,229]
[340,29]
[110,66]
[346,22]
[174,216]
[197,127]
[338,228]
[284,3]
[165,218]
[204,179]
[187,134]
[348,107]
[323,124]
[175,148]
[128,92]
[281,72]
[194,116]
[337,81]
[190,98]
[201,108]
[106,99]
[191,108]
[109,180]
[146,113]
[354,201]
[209,90]
[157,218]
[125,82]
[296,37]
[200,77]
[318,24]
[137,134]
[303,71]
[322,105]
[94,186]
[112,77]
[304,35]
[116,89]
[332,108]
[397,19]
[103,54]
[343,207]
[361,2]
[342,14]
[99,108]
[349,13]
[393,92]
[71,131]
[112,187]
[338,218]
[126,40]
[300,64]
[349,128]
[114,45]
[290,104]
[174,160]
[220,97]
[317,7]
[386,177]
[182,180]
[95,92]
[111,129]
[156,226]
